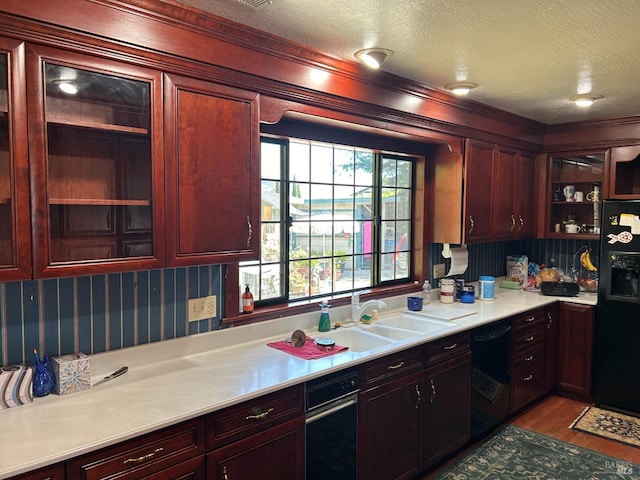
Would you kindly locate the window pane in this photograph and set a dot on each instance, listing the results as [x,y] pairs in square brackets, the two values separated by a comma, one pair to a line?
[321,164]
[364,168]
[270,160]
[271,201]
[299,162]
[271,245]
[343,166]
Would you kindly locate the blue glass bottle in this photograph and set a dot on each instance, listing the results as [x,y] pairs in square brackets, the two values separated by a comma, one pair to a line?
[324,325]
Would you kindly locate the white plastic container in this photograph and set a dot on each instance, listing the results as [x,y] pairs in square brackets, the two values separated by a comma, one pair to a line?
[486,286]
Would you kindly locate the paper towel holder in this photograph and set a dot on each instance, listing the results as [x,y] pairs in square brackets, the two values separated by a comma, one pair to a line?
[446,250]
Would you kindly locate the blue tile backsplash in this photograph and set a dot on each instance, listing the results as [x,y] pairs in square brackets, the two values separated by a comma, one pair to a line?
[98,313]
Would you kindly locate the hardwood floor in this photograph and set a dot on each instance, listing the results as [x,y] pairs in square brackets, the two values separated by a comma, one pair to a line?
[552,417]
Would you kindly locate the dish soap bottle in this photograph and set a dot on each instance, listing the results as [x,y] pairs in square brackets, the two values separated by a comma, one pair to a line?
[324,325]
[426,292]
[247,300]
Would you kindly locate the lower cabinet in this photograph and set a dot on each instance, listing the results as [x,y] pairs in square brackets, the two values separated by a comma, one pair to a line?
[575,349]
[389,431]
[390,417]
[261,438]
[527,358]
[175,452]
[447,407]
[273,454]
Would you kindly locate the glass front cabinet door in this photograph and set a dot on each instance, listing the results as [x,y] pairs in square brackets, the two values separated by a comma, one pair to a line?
[15,236]
[96,166]
[576,192]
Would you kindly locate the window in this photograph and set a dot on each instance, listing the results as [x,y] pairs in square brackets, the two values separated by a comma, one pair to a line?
[334,219]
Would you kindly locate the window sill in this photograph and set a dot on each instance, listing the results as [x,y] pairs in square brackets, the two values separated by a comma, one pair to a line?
[295,308]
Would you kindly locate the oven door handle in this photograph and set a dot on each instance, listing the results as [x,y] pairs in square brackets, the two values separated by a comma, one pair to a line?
[347,402]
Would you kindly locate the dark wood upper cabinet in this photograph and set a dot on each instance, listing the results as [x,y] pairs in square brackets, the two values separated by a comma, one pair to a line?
[478,182]
[15,236]
[212,165]
[96,163]
[624,173]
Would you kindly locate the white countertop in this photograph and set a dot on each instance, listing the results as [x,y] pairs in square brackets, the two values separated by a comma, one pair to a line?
[176,380]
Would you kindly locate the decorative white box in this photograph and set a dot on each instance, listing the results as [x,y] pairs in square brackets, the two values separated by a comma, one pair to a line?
[16,386]
[72,372]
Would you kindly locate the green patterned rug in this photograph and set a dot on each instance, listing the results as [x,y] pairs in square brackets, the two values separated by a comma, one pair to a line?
[515,453]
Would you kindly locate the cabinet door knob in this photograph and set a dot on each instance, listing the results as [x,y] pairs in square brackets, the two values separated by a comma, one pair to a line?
[471,224]
[418,397]
[513,223]
[521,222]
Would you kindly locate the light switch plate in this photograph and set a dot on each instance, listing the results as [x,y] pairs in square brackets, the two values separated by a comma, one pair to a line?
[201,308]
[438,270]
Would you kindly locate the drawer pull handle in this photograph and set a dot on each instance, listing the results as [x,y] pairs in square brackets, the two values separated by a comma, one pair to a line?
[224,472]
[396,366]
[418,397]
[259,416]
[530,319]
[249,231]
[528,378]
[529,358]
[530,339]
[450,347]
[143,458]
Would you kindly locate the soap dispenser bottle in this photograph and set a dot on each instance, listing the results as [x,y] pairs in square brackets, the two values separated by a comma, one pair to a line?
[324,325]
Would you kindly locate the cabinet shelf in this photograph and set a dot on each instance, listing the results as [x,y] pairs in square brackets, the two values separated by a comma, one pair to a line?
[106,127]
[98,201]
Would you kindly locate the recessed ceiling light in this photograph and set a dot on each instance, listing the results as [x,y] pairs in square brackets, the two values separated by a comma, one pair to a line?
[461,88]
[373,57]
[585,99]
[67,86]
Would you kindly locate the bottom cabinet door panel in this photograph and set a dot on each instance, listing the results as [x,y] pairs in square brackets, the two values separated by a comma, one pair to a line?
[273,454]
[389,418]
[447,407]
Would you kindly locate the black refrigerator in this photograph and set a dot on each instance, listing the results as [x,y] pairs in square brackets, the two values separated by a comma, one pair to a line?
[616,367]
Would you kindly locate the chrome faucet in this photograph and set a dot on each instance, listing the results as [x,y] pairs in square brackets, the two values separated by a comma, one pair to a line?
[358,309]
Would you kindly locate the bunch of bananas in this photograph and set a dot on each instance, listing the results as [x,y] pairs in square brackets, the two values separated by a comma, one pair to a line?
[585,260]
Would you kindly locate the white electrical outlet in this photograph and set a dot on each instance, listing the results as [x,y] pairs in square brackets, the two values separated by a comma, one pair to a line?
[201,308]
[438,270]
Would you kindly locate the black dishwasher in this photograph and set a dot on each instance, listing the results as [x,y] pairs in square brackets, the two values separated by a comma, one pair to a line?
[490,385]
[331,426]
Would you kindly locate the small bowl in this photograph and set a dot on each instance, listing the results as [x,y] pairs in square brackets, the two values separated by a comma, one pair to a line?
[325,344]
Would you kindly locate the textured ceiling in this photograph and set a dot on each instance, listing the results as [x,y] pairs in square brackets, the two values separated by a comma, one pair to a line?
[528,56]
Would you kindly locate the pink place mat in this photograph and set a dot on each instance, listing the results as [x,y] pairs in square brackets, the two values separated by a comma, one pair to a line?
[308,351]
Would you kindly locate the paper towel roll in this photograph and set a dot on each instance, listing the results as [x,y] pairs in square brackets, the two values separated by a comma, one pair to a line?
[459,261]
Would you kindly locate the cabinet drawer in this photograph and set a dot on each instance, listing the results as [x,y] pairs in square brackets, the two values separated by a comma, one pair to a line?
[533,335]
[527,385]
[390,367]
[253,416]
[142,457]
[528,356]
[525,320]
[448,347]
